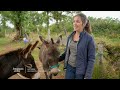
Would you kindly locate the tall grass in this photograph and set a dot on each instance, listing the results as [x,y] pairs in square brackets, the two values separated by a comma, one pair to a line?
[4,41]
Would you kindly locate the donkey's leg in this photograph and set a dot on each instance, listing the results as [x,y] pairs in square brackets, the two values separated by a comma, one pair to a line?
[46,75]
[50,76]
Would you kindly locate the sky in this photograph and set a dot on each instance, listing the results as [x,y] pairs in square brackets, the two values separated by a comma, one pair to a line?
[103,14]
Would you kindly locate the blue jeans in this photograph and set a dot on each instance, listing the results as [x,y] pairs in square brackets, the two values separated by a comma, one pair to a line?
[71,73]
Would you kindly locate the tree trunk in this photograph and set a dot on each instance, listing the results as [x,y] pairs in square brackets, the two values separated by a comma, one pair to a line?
[48,26]
[57,24]
[19,34]
[65,31]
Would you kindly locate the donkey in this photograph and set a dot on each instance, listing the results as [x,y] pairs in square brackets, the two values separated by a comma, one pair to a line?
[19,61]
[48,55]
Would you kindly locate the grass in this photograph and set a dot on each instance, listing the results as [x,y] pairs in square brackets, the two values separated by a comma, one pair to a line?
[6,45]
[108,41]
[106,71]
[4,41]
[35,54]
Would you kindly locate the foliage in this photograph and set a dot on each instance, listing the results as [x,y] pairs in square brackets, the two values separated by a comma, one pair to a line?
[107,27]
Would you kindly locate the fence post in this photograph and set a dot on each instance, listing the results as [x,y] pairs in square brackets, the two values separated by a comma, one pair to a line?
[100,60]
[100,52]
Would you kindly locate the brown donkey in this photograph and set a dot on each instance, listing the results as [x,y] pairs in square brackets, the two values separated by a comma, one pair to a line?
[19,61]
[49,55]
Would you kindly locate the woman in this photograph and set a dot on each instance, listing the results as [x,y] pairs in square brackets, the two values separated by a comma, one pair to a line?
[79,55]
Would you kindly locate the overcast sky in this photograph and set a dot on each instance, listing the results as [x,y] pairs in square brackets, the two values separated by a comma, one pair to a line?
[103,14]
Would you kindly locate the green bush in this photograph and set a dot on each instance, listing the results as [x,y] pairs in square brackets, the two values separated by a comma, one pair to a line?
[2,34]
[104,71]
[108,27]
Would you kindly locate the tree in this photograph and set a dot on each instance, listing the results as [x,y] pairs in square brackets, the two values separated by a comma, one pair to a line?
[46,18]
[17,18]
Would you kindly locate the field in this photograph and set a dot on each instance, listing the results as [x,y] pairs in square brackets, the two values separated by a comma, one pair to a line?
[108,72]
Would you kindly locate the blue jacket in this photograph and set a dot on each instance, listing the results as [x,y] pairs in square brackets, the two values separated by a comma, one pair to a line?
[85,54]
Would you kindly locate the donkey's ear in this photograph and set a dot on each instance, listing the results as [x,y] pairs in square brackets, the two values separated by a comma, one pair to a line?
[38,47]
[26,51]
[41,38]
[60,37]
[33,47]
[58,40]
[52,40]
[43,41]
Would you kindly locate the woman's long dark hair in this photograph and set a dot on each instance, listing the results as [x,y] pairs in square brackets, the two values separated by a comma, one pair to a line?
[85,21]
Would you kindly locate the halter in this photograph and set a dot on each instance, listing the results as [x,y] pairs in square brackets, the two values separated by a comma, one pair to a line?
[54,66]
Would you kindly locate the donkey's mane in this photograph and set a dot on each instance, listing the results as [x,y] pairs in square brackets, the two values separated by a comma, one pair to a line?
[12,52]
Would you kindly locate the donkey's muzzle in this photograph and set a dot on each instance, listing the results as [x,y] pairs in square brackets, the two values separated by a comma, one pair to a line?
[54,71]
